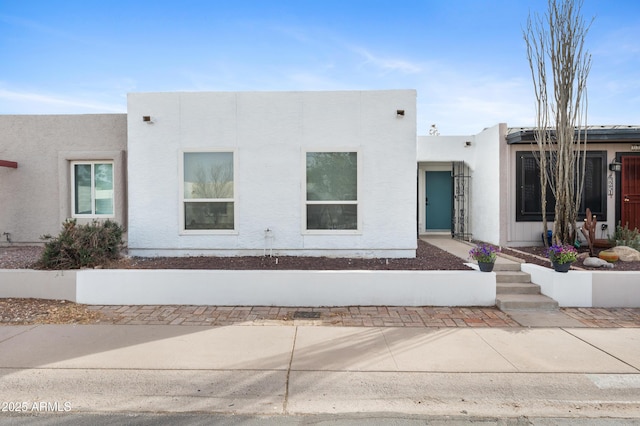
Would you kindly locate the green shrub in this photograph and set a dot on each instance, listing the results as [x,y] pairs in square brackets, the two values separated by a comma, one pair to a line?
[82,246]
[626,237]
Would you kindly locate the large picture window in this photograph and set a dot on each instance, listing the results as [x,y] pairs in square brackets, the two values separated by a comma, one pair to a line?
[92,189]
[528,205]
[332,191]
[208,191]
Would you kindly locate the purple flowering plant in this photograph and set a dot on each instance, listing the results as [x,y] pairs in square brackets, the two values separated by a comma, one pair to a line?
[485,253]
[560,254]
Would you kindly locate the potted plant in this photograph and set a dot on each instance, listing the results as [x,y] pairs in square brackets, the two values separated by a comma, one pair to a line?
[562,256]
[485,255]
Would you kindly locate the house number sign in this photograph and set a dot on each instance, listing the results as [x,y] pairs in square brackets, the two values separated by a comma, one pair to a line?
[635,147]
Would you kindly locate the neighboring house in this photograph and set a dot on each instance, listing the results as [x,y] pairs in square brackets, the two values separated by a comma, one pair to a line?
[293,173]
[494,176]
[611,187]
[69,166]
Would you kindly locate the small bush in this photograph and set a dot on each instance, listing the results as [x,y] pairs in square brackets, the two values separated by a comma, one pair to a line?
[82,246]
[626,237]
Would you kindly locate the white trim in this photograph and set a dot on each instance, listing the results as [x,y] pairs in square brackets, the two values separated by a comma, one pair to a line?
[357,202]
[92,163]
[181,199]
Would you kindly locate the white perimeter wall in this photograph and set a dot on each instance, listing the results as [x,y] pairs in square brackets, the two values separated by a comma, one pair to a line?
[286,288]
[269,134]
[605,289]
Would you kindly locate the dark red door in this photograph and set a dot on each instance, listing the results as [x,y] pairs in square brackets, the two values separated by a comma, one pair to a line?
[631,192]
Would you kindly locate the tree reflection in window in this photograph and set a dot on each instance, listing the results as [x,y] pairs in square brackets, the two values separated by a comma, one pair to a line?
[208,190]
[332,190]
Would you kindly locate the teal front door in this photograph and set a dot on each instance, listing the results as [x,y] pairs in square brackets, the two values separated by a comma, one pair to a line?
[438,199]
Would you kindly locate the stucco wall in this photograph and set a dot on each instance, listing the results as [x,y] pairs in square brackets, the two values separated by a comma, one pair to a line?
[36,197]
[269,134]
[482,153]
[486,185]
[286,288]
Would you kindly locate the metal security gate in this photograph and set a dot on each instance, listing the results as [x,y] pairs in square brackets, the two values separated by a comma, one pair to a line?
[460,228]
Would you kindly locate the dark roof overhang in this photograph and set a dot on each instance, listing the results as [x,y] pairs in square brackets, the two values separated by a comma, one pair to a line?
[595,134]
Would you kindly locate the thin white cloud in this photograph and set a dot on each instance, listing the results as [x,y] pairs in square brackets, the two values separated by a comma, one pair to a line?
[465,103]
[387,64]
[294,33]
[620,45]
[36,27]
[12,101]
[310,80]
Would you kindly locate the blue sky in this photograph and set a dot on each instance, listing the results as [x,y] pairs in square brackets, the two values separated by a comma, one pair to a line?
[466,58]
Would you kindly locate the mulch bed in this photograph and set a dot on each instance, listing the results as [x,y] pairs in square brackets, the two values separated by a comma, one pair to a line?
[22,311]
[428,258]
[537,256]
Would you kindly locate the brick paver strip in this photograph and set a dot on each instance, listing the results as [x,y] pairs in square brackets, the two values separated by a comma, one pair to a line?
[360,316]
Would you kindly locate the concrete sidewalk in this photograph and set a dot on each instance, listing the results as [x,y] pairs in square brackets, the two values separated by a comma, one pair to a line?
[311,369]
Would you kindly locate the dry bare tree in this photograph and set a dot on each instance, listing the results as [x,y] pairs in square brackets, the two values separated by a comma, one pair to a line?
[216,182]
[559,67]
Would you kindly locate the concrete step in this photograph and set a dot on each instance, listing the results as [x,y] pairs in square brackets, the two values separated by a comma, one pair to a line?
[525,302]
[505,266]
[517,288]
[512,277]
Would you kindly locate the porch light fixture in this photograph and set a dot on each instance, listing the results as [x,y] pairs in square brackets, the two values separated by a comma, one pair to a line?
[614,166]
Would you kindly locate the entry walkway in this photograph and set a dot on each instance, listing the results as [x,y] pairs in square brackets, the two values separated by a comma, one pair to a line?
[461,250]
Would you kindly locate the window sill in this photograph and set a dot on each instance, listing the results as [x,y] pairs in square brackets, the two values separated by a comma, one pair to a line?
[187,232]
[332,232]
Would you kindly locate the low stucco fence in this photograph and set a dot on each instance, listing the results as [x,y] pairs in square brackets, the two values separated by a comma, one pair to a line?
[255,287]
[60,285]
[313,288]
[583,289]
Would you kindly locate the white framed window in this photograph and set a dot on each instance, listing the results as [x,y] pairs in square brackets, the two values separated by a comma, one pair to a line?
[331,191]
[92,189]
[208,193]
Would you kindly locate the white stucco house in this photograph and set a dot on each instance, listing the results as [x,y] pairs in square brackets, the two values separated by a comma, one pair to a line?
[339,173]
[313,173]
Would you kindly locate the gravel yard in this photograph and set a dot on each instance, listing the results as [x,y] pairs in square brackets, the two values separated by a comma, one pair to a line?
[428,257]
